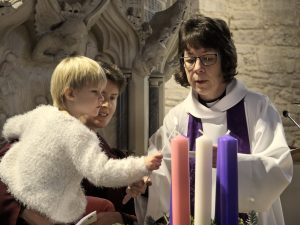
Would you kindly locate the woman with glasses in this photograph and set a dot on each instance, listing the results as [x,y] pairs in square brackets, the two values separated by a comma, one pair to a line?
[218,102]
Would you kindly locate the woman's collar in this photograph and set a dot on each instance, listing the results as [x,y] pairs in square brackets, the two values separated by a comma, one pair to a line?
[235,92]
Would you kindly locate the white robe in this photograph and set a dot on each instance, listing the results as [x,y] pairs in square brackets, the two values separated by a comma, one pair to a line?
[262,175]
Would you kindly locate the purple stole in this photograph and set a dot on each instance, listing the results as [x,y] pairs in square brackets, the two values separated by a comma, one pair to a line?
[237,124]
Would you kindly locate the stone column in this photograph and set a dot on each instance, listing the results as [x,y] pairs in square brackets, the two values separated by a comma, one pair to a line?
[138,114]
[156,102]
[123,116]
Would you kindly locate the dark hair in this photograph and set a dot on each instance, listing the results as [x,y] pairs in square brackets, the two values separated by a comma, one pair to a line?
[201,31]
[114,74]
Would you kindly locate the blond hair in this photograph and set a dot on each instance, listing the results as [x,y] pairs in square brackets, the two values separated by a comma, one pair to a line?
[74,72]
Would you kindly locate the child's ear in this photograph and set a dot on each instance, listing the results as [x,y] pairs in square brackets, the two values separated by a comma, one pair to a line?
[69,94]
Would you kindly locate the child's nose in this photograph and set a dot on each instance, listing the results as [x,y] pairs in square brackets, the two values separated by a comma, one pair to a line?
[100,98]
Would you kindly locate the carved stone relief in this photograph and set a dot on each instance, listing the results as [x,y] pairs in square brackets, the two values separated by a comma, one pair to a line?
[35,35]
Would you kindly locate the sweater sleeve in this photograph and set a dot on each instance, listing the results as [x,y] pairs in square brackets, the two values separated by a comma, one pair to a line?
[14,127]
[91,161]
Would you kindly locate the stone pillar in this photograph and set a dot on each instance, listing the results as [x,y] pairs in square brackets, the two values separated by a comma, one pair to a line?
[138,114]
[123,116]
[156,101]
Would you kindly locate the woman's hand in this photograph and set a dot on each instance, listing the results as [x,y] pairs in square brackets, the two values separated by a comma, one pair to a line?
[136,189]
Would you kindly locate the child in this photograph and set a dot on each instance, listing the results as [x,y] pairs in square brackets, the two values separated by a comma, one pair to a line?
[55,151]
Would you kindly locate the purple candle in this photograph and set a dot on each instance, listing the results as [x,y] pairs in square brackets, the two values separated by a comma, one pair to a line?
[227,182]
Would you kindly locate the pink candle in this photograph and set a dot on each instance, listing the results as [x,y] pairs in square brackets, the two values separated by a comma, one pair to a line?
[180,181]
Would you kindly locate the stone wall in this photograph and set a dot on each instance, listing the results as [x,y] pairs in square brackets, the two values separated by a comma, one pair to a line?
[267,37]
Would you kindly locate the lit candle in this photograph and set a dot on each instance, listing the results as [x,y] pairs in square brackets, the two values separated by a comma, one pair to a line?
[227,181]
[203,181]
[180,181]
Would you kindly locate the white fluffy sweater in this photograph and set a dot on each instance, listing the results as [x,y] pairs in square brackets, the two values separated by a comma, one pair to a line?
[55,151]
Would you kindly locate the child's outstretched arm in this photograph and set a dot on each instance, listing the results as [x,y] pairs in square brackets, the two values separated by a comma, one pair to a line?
[92,162]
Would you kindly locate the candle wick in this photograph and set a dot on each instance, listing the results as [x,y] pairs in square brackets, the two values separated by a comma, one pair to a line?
[165,145]
[170,135]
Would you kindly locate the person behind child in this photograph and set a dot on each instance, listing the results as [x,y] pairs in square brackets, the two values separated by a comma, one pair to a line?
[218,102]
[55,150]
[115,85]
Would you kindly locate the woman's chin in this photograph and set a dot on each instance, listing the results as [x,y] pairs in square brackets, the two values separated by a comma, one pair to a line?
[201,91]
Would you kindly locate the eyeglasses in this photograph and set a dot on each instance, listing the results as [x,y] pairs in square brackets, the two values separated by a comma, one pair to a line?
[206,60]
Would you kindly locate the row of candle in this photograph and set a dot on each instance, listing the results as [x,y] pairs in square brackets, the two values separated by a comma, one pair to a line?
[226,189]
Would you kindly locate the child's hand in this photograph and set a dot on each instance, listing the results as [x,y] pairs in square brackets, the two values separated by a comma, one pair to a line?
[153,161]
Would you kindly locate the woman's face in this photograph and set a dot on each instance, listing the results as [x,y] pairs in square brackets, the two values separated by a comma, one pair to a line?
[108,106]
[206,80]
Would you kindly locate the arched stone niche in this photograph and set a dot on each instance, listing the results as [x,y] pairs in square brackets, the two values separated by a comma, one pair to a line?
[35,35]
